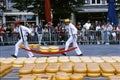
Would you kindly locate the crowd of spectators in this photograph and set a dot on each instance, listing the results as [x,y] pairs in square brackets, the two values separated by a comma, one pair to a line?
[88,33]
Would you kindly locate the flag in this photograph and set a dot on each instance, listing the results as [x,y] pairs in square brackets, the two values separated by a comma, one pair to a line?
[48,11]
[111,16]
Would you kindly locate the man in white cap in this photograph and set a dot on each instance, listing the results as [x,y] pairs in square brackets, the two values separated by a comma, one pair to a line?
[23,31]
[73,37]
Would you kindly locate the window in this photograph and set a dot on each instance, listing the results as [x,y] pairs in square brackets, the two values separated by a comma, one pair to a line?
[93,1]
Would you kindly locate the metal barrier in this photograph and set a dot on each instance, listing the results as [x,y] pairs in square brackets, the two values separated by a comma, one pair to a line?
[90,37]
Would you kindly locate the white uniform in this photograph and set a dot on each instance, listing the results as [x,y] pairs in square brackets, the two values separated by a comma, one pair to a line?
[72,39]
[23,31]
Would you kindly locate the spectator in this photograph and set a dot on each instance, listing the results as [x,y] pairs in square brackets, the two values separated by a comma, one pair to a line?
[118,32]
[108,30]
[39,31]
[86,26]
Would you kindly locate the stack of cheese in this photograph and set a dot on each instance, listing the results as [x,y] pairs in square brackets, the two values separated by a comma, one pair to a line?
[30,60]
[44,49]
[80,68]
[93,70]
[39,68]
[30,45]
[26,69]
[54,48]
[74,59]
[35,46]
[108,59]
[107,69]
[86,59]
[117,67]
[114,77]
[19,62]
[28,77]
[97,59]
[5,69]
[41,60]
[49,48]
[63,59]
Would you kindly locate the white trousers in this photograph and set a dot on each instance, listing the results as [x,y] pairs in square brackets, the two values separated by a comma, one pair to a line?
[30,54]
[74,41]
[39,38]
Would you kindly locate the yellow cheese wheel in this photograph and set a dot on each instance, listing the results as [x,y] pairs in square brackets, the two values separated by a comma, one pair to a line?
[66,67]
[25,70]
[97,59]
[35,46]
[54,50]
[114,77]
[107,74]
[41,60]
[116,66]
[53,47]
[93,74]
[52,68]
[30,45]
[93,68]
[17,65]
[39,68]
[86,59]
[44,48]
[74,59]
[80,68]
[108,59]
[117,58]
[21,46]
[19,60]
[52,59]
[62,77]
[76,77]
[63,59]
[83,74]
[107,68]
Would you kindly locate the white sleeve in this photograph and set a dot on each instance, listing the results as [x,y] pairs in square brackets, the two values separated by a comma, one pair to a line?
[27,29]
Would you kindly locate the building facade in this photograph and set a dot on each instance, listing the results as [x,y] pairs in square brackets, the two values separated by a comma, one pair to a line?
[92,9]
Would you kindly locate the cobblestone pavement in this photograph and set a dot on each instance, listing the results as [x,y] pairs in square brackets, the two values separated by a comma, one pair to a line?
[88,50]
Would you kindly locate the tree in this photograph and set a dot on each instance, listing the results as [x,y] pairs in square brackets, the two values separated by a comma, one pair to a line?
[60,8]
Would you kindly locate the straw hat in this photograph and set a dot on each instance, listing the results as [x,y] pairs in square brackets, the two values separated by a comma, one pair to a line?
[67,20]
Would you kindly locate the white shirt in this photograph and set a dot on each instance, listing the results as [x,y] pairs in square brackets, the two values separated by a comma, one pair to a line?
[72,29]
[24,32]
[87,26]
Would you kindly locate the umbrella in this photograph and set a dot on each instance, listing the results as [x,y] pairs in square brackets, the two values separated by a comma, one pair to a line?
[112,17]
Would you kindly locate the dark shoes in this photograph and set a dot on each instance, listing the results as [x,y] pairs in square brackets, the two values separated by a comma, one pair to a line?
[64,54]
[80,55]
[14,56]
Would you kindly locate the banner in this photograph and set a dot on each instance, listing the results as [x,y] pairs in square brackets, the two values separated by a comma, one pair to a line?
[48,11]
